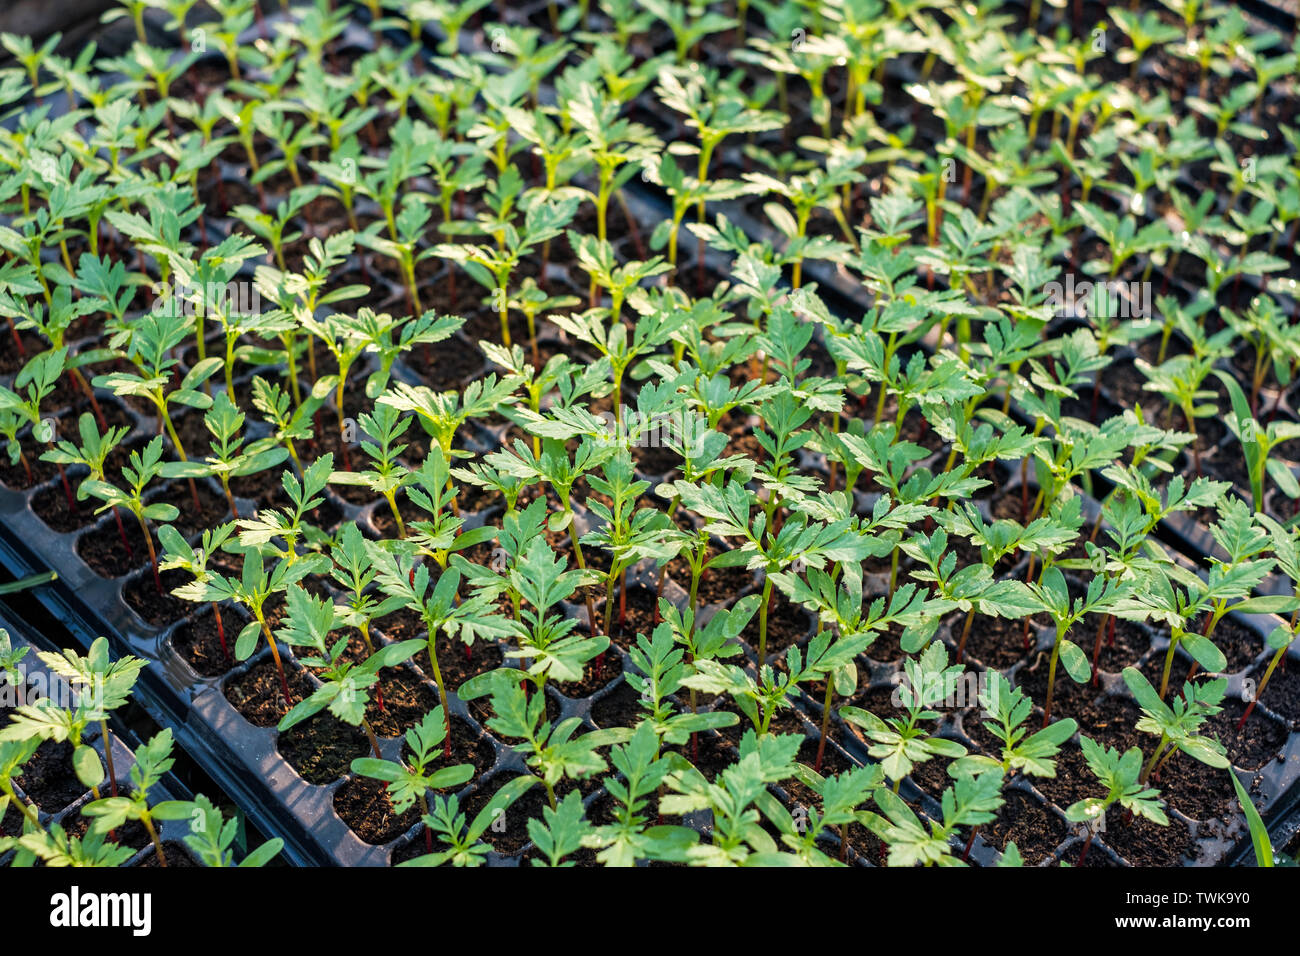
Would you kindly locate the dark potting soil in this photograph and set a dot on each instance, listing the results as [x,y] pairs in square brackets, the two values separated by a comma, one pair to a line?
[482,323]
[101,548]
[1144,843]
[263,489]
[887,646]
[655,460]
[710,754]
[471,499]
[1067,696]
[1255,743]
[10,818]
[445,366]
[406,699]
[17,478]
[1073,781]
[1239,644]
[621,707]
[51,506]
[1196,789]
[141,595]
[1033,828]
[48,778]
[640,617]
[11,359]
[509,833]
[932,776]
[1108,720]
[382,515]
[257,694]
[322,748]
[364,805]
[1131,642]
[787,623]
[175,855]
[198,642]
[1154,667]
[996,642]
[414,848]
[457,662]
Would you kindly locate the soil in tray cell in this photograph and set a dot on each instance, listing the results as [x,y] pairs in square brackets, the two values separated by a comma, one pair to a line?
[640,617]
[444,366]
[102,549]
[787,623]
[51,506]
[509,833]
[142,596]
[996,642]
[1033,828]
[401,702]
[256,693]
[322,748]
[1251,745]
[48,778]
[621,707]
[364,805]
[213,509]
[1144,843]
[458,662]
[175,854]
[198,642]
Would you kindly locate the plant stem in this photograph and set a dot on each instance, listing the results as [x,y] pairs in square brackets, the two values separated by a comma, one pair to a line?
[965,632]
[1259,691]
[762,620]
[442,691]
[1051,676]
[370,734]
[107,738]
[153,555]
[826,719]
[275,655]
[153,835]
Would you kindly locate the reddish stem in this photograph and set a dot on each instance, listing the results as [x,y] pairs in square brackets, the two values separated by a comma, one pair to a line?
[121,531]
[1083,854]
[18,342]
[221,631]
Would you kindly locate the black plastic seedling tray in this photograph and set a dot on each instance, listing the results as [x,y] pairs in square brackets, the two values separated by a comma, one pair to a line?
[1274,784]
[38,679]
[244,759]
